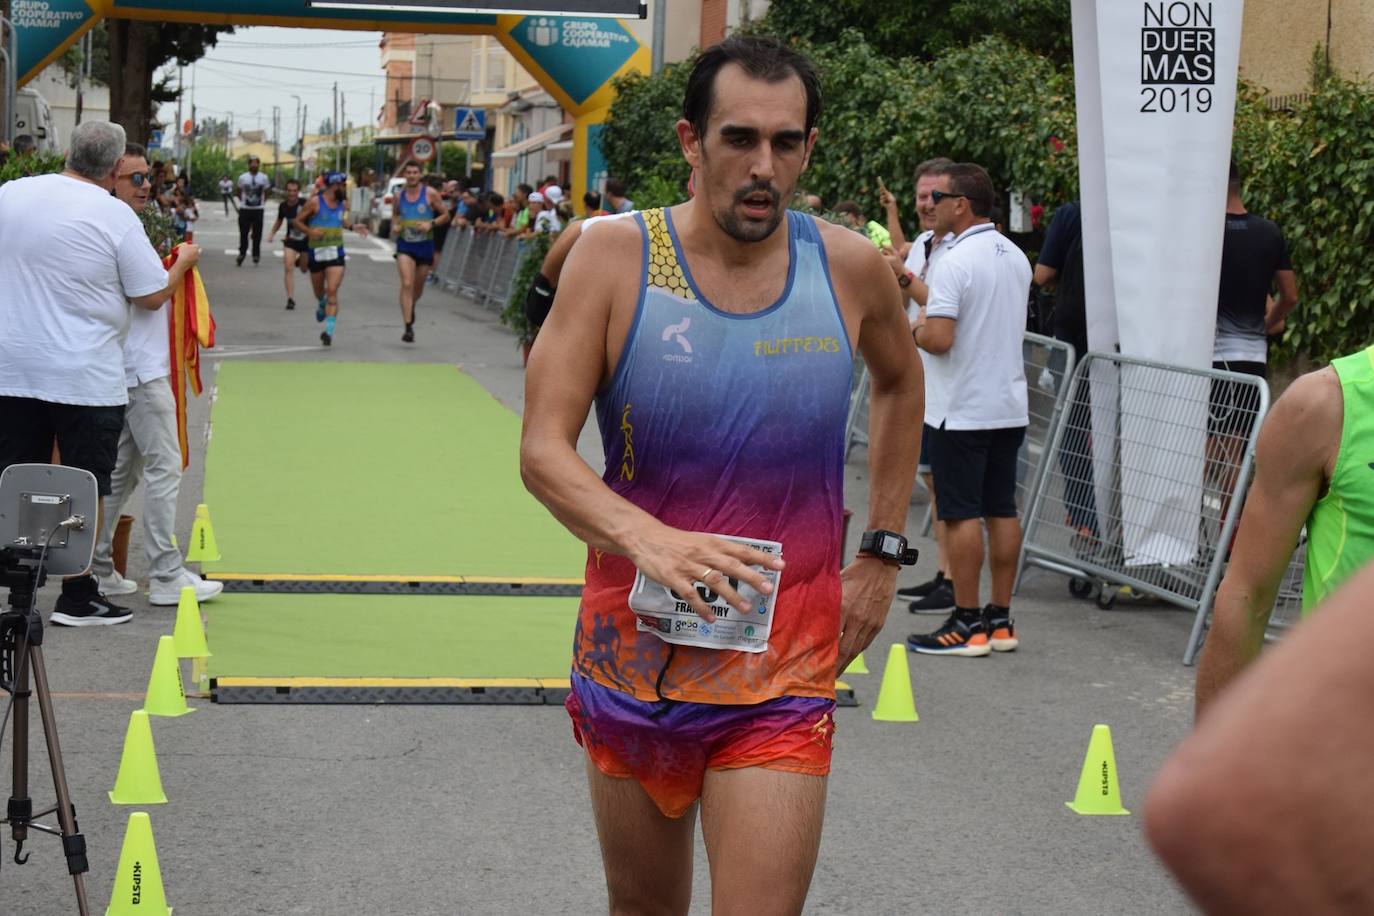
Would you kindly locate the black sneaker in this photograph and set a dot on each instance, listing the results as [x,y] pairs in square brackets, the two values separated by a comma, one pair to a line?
[1000,629]
[290,304]
[925,588]
[939,601]
[239,261]
[86,607]
[958,636]
[255,259]
[326,338]
[409,335]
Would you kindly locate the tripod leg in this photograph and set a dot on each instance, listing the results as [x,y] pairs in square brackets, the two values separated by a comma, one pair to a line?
[19,813]
[73,843]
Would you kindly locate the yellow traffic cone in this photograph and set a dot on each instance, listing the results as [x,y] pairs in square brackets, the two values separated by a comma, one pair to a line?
[189,634]
[203,545]
[1099,792]
[138,879]
[895,700]
[857,666]
[166,697]
[138,782]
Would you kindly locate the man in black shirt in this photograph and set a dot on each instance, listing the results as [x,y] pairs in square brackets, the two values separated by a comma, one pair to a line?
[1061,265]
[1254,259]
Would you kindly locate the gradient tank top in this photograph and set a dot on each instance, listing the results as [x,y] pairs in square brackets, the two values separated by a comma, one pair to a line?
[727,424]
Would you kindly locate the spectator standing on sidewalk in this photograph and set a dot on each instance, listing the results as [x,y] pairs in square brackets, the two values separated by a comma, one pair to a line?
[1061,266]
[616,201]
[936,595]
[148,446]
[971,329]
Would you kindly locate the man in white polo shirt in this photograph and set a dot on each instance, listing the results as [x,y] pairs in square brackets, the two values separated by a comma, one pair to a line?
[976,415]
[72,258]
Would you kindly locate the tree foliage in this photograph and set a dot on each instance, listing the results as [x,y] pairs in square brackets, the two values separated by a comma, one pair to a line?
[1312,171]
[925,30]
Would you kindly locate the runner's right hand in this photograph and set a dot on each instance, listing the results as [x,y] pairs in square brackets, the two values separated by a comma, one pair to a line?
[678,559]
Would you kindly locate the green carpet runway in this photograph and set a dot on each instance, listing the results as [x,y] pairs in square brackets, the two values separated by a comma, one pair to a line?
[384,501]
[372,469]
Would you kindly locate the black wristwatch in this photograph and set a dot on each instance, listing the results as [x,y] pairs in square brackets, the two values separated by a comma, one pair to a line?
[905,279]
[888,546]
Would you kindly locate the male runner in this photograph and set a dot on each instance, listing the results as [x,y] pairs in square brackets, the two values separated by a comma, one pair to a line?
[716,339]
[419,208]
[1312,468]
[226,191]
[323,219]
[252,193]
[295,246]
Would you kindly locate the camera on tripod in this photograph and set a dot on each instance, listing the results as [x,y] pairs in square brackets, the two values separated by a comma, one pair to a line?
[47,524]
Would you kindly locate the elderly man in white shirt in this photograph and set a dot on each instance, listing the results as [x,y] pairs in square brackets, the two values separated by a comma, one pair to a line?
[148,446]
[73,258]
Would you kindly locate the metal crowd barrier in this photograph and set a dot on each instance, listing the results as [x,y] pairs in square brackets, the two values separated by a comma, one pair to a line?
[451,259]
[1049,366]
[1151,465]
[481,266]
[856,420]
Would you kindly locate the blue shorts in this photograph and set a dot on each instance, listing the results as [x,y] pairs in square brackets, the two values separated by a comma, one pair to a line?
[419,252]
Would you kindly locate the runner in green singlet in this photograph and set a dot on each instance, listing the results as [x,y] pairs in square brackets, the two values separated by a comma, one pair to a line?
[1315,466]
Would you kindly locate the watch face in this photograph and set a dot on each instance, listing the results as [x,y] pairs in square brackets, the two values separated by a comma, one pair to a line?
[892,546]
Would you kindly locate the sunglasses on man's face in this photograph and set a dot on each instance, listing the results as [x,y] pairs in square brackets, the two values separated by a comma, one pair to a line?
[937,196]
[139,179]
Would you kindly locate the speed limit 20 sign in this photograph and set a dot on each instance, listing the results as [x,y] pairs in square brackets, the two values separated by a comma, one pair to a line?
[422,149]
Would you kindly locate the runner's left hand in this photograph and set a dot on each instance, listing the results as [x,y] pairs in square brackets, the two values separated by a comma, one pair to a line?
[869,585]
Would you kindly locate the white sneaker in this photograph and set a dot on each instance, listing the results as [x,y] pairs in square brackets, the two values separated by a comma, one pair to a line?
[115,584]
[169,593]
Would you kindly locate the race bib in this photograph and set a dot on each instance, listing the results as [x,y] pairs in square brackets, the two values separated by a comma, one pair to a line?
[661,611]
[325,255]
[413,234]
[295,234]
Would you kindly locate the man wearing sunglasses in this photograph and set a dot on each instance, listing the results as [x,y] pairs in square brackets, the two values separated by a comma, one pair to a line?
[148,446]
[976,412]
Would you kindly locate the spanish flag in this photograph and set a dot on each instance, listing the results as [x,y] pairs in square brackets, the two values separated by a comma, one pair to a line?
[190,326]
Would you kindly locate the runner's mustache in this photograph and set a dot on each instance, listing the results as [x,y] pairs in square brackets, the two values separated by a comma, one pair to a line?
[757,188]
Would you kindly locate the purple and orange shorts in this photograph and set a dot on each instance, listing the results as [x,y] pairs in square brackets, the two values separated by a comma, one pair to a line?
[668,746]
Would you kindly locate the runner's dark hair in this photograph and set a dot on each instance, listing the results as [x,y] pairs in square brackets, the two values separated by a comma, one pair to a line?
[760,57]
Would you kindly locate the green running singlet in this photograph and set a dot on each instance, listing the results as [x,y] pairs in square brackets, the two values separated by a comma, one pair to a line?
[1340,529]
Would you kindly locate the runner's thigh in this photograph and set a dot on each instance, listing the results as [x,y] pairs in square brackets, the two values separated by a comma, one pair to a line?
[763,830]
[647,855]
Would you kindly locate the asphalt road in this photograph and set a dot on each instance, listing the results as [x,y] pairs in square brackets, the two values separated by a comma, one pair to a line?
[419,811]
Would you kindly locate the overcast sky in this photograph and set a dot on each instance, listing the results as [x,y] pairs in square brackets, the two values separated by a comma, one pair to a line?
[252,69]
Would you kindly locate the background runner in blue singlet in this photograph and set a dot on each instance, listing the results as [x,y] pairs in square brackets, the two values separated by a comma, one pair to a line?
[419,208]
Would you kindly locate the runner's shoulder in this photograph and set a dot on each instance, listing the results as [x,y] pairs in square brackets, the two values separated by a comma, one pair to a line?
[855,264]
[610,240]
[1309,417]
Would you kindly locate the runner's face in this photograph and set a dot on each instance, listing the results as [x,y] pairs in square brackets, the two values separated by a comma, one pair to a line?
[753,153]
[925,205]
[412,177]
[253,166]
[293,193]
[136,197]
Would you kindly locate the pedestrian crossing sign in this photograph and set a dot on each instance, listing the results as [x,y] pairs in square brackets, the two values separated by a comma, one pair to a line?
[469,124]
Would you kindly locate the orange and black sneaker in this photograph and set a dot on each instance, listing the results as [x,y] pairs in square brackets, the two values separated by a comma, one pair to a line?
[1001,630]
[963,633]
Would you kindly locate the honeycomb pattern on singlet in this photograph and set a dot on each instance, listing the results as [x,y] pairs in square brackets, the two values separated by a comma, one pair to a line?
[665,272]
